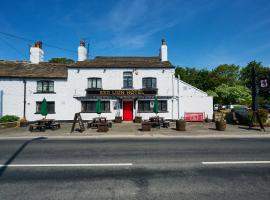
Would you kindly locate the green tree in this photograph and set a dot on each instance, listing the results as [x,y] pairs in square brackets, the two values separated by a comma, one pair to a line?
[224,74]
[61,60]
[233,94]
[196,77]
[245,77]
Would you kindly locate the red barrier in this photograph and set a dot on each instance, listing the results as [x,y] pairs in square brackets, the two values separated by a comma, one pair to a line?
[194,117]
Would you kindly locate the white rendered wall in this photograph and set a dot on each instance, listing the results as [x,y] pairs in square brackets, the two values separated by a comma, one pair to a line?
[190,98]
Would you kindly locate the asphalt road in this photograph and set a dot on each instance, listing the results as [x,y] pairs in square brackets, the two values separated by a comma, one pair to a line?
[135,169]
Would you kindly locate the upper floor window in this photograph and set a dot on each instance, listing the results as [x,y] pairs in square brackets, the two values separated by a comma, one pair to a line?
[128,80]
[149,82]
[45,86]
[94,83]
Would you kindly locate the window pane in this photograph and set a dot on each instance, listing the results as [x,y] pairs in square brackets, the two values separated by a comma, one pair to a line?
[45,86]
[98,83]
[127,80]
[89,85]
[39,86]
[38,107]
[144,83]
[154,83]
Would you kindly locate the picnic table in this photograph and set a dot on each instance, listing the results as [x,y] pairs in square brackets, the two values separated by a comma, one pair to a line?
[43,124]
[96,121]
[157,122]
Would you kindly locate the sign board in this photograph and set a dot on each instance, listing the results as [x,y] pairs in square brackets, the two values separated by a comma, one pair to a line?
[77,118]
[121,92]
[194,117]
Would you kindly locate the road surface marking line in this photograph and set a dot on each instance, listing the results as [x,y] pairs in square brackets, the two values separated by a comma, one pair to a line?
[235,162]
[70,165]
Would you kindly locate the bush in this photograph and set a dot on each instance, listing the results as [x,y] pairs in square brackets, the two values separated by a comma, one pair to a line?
[262,113]
[9,118]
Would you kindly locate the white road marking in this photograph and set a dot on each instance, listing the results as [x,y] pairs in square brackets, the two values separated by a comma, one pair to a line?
[70,165]
[235,162]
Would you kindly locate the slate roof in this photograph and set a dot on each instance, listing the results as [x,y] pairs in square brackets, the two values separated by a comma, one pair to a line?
[20,69]
[16,69]
[123,62]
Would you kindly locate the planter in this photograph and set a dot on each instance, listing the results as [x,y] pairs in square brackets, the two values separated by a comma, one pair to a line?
[9,125]
[146,126]
[24,123]
[103,127]
[118,119]
[221,125]
[138,119]
[180,125]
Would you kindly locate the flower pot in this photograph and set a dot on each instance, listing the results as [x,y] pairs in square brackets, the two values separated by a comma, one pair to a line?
[118,119]
[180,125]
[9,125]
[221,125]
[138,119]
[146,126]
[103,127]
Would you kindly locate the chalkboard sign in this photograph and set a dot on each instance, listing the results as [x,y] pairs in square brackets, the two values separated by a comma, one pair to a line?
[78,118]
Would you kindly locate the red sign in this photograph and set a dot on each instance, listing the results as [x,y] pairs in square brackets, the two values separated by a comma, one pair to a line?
[194,117]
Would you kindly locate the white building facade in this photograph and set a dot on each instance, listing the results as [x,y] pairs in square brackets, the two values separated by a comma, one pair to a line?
[126,87]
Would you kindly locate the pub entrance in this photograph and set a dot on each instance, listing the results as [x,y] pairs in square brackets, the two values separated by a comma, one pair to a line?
[127,110]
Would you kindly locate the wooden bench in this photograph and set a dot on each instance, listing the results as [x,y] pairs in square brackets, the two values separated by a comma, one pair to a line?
[103,127]
[165,124]
[146,126]
[36,127]
[55,126]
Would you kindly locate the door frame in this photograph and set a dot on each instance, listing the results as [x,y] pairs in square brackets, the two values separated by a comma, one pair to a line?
[127,100]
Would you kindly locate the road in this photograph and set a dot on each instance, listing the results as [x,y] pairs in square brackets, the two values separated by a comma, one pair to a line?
[135,168]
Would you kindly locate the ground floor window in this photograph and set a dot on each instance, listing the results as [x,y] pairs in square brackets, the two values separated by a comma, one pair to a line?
[90,106]
[50,107]
[148,105]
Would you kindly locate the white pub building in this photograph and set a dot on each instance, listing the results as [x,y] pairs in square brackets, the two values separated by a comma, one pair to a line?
[126,87]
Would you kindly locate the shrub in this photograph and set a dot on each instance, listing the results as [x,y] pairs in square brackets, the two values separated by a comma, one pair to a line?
[262,113]
[9,118]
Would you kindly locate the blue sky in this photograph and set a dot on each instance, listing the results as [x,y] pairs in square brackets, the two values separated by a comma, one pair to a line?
[199,33]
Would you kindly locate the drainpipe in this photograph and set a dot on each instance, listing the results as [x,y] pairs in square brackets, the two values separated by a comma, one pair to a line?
[172,94]
[1,103]
[178,102]
[24,98]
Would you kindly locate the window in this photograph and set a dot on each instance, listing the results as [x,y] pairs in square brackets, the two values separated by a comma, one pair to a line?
[50,106]
[148,106]
[45,86]
[94,83]
[128,80]
[149,82]
[90,106]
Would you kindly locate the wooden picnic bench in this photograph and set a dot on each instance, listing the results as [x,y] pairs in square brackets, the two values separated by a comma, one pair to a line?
[37,127]
[157,122]
[43,124]
[98,120]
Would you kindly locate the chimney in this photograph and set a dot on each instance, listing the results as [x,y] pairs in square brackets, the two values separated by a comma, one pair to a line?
[163,51]
[82,51]
[36,53]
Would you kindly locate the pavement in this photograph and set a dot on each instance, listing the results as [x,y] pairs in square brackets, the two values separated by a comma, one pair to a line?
[128,129]
[135,168]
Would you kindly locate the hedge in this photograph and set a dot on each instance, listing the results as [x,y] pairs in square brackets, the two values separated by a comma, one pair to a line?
[9,118]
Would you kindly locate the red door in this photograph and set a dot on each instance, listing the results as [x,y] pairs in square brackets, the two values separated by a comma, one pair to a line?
[127,110]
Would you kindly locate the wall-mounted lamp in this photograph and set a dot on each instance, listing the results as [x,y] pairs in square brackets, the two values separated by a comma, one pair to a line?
[163,71]
[78,70]
[104,70]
